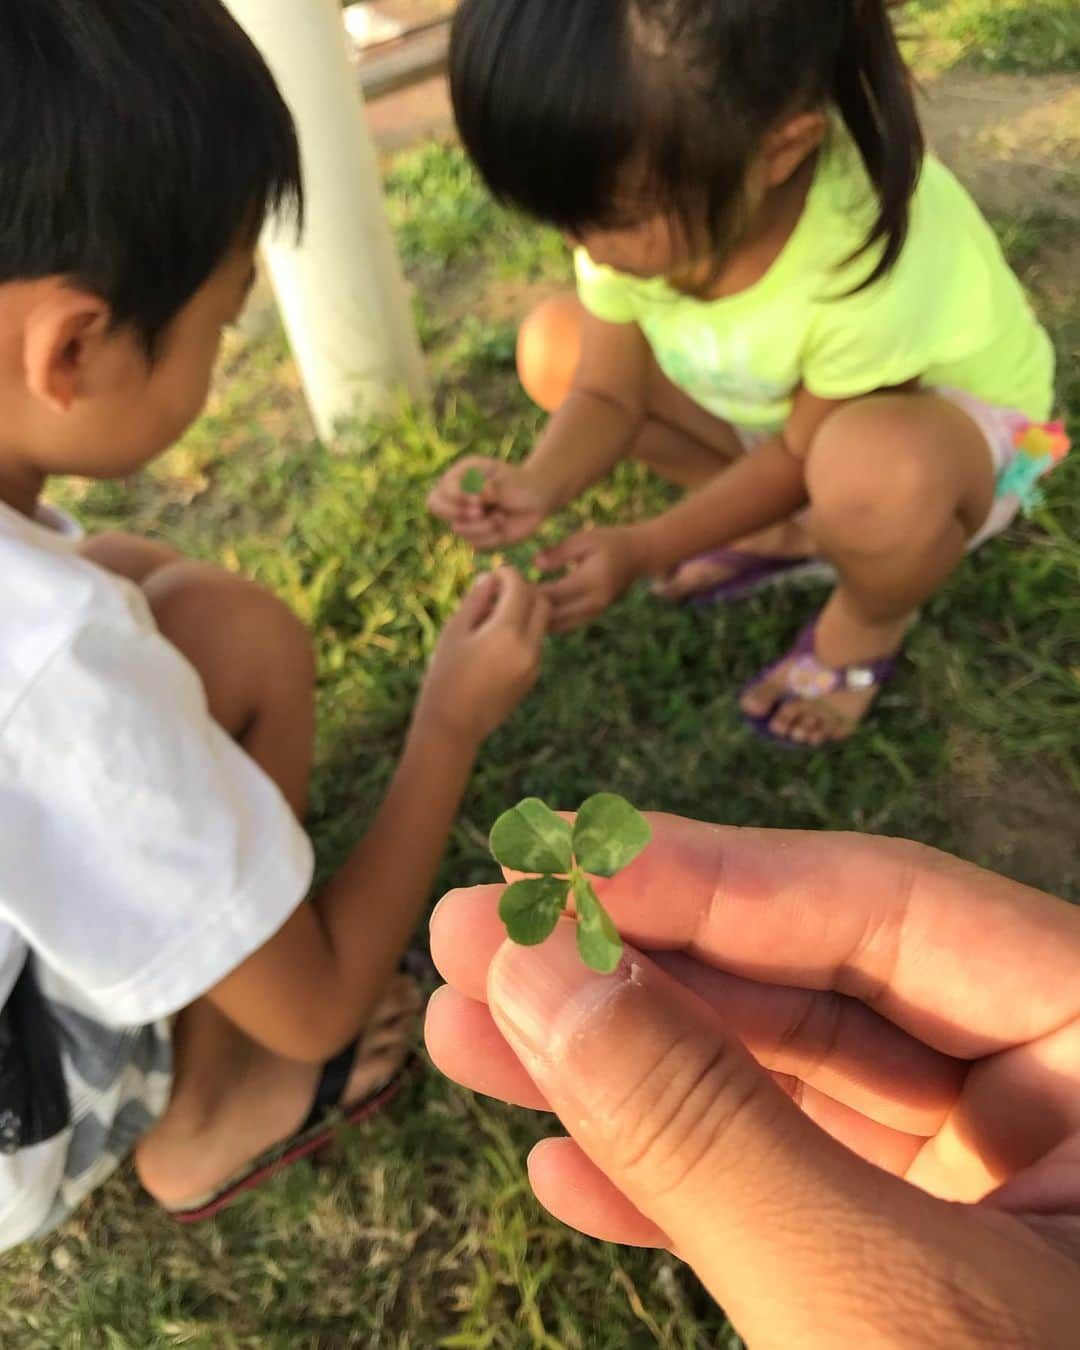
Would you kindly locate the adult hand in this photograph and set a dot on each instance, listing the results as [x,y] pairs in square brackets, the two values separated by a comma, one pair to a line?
[844,1085]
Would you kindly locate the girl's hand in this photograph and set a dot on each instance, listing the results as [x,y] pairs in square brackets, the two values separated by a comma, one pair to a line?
[488,657]
[895,1162]
[602,563]
[509,507]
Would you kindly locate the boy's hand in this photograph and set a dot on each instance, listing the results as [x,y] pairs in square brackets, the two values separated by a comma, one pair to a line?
[508,508]
[488,657]
[603,563]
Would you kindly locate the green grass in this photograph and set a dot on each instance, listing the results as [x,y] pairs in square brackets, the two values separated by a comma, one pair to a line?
[1029,36]
[426,1235]
[443,216]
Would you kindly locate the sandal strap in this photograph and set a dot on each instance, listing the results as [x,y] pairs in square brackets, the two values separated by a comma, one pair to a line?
[331,1087]
[808,677]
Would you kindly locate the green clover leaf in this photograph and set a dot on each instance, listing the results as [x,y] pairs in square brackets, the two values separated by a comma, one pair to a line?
[608,835]
[532,838]
[598,939]
[530,909]
[473,481]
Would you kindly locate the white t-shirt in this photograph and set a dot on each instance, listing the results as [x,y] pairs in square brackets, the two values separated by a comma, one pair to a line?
[143,855]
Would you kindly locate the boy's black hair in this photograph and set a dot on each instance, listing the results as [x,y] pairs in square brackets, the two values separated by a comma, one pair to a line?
[567,104]
[139,141]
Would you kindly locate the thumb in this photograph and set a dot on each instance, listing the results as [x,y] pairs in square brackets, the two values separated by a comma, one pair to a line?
[495,483]
[561,555]
[772,1214]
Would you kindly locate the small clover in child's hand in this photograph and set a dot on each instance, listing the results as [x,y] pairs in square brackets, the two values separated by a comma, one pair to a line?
[473,482]
[607,836]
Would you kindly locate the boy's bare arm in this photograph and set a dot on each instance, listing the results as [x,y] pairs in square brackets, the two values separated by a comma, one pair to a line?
[309,990]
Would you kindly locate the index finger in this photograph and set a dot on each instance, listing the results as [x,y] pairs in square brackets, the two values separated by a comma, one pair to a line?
[928,942]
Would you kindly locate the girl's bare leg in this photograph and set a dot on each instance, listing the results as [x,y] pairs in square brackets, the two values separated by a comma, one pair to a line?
[898,485]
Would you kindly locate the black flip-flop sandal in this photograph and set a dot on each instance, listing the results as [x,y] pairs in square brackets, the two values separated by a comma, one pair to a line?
[319,1130]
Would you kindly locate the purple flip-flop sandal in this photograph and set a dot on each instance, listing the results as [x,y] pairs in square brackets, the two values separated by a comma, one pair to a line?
[810,678]
[753,573]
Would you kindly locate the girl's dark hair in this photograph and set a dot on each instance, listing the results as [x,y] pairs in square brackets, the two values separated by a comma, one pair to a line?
[139,141]
[596,113]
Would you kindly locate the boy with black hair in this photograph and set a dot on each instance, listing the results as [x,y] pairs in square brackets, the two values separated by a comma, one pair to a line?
[166,985]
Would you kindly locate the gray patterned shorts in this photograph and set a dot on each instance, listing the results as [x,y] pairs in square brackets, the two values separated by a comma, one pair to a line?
[118,1083]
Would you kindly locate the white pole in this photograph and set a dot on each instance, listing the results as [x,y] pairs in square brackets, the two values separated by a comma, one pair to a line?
[341,290]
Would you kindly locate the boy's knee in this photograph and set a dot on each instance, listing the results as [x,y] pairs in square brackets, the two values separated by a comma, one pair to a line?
[549,350]
[128,555]
[872,485]
[198,606]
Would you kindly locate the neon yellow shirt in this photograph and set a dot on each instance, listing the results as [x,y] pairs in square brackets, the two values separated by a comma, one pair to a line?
[951,312]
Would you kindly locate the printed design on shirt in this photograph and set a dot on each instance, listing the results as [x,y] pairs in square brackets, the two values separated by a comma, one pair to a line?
[716,369]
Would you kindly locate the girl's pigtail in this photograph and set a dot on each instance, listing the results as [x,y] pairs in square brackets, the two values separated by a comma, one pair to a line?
[875,94]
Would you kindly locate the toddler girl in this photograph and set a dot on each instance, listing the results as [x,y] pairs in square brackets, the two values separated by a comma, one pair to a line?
[783,305]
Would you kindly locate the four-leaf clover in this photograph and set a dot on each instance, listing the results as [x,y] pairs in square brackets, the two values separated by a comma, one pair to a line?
[607,835]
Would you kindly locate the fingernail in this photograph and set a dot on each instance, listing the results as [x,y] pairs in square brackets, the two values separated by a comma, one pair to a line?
[544,996]
[434,997]
[448,898]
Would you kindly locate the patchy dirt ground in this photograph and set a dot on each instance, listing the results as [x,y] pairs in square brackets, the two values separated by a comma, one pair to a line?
[1015,140]
[1024,826]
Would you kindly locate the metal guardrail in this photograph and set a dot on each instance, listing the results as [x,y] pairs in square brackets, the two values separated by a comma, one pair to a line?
[417,55]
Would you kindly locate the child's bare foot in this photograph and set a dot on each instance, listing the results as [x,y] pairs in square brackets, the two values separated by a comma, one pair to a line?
[840,641]
[206,1139]
[788,540]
